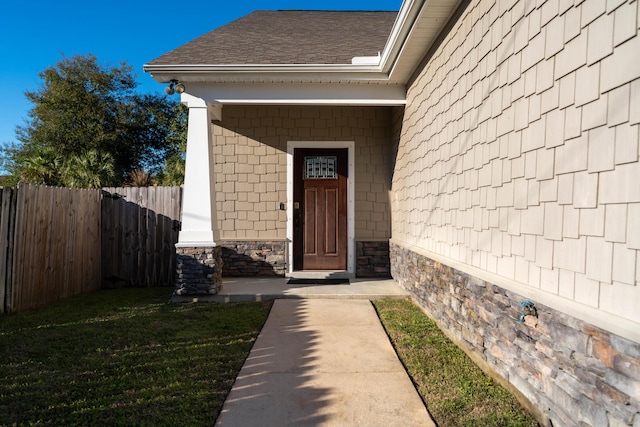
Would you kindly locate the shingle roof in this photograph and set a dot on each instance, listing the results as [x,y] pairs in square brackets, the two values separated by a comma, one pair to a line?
[288,37]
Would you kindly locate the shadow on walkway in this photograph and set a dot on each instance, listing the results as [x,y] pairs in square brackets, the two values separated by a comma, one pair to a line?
[323,362]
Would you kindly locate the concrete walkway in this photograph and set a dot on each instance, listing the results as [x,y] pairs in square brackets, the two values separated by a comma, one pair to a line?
[323,362]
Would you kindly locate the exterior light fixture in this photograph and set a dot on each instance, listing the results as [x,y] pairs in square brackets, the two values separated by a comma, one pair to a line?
[174,87]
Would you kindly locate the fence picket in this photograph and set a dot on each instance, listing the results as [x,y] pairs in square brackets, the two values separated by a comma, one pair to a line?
[57,245]
[19,251]
[4,245]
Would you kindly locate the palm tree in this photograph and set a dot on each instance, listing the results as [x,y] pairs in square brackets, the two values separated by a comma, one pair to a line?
[173,173]
[92,169]
[42,167]
[139,178]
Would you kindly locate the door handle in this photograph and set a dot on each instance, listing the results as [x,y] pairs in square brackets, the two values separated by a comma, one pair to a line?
[296,214]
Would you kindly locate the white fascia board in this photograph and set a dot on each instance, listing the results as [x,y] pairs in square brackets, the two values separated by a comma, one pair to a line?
[299,93]
[407,16]
[366,60]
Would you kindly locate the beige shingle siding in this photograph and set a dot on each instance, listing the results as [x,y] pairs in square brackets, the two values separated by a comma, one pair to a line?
[519,151]
[288,37]
[250,155]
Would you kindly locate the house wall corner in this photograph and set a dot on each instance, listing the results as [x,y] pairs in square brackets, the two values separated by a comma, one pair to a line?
[516,184]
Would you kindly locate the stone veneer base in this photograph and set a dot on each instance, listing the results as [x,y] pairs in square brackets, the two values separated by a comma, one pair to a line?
[254,258]
[572,372]
[198,270]
[268,258]
[372,259]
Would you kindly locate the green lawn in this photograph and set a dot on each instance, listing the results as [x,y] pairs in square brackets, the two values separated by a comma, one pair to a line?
[129,357]
[456,391]
[123,357]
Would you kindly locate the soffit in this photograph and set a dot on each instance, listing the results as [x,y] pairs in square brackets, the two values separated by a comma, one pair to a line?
[429,24]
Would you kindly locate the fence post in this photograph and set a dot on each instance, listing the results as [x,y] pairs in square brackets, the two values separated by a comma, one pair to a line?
[7,235]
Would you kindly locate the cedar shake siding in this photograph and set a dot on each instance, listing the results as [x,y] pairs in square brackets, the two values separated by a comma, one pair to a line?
[250,156]
[516,179]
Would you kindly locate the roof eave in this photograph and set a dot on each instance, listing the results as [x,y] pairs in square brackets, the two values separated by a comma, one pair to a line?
[399,57]
[405,20]
[416,30]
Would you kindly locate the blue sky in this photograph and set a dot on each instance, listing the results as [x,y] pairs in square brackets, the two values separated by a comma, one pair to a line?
[35,34]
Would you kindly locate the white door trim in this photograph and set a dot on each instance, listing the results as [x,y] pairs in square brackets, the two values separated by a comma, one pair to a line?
[351,245]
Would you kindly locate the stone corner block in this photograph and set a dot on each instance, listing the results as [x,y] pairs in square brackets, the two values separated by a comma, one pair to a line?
[198,270]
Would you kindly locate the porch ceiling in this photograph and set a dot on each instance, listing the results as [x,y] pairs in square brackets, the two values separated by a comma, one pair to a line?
[298,93]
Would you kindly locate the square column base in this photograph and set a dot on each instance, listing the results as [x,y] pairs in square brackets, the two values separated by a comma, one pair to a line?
[198,270]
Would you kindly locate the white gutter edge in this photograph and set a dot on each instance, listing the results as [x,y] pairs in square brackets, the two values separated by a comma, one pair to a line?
[401,28]
[252,68]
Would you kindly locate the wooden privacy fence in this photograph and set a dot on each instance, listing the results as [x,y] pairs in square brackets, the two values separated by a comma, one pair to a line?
[139,231]
[59,242]
[56,246]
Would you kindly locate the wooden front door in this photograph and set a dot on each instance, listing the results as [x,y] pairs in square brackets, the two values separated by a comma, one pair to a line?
[320,209]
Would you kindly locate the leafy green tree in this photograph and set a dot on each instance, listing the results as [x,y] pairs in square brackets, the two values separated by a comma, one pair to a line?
[88,126]
[173,170]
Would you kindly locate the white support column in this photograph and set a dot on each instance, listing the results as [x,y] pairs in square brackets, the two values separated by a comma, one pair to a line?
[198,203]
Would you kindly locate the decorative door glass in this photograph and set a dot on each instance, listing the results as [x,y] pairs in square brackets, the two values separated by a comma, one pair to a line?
[320,167]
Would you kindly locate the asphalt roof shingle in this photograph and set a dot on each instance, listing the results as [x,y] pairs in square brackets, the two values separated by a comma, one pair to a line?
[288,37]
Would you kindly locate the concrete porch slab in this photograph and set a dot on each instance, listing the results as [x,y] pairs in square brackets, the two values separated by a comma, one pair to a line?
[246,289]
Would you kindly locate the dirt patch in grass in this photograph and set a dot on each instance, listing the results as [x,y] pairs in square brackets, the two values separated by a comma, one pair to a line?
[123,357]
[456,391]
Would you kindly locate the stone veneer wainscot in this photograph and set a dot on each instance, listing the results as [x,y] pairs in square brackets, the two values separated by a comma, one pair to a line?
[253,258]
[566,367]
[268,258]
[372,259]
